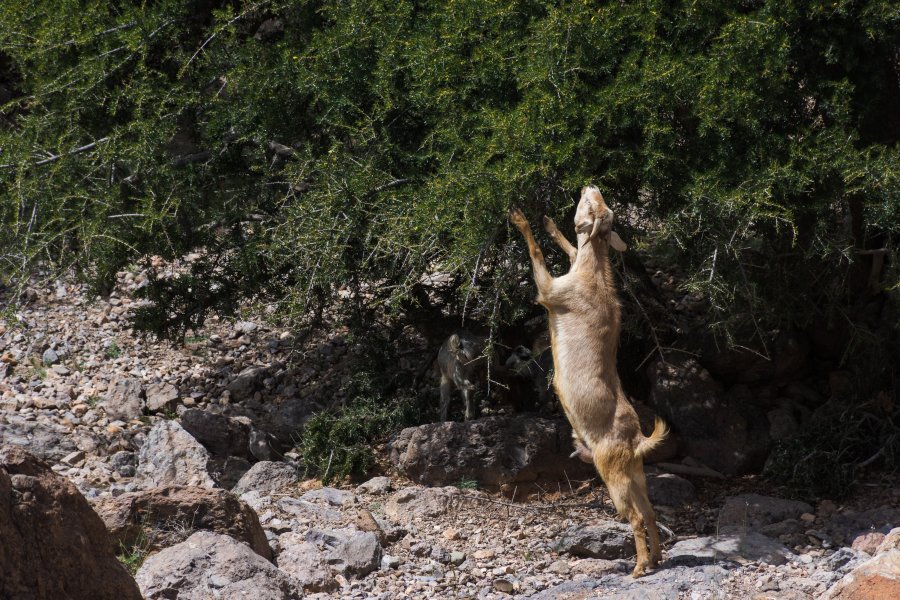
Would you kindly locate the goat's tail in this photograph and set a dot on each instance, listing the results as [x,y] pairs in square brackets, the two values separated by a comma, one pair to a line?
[660,431]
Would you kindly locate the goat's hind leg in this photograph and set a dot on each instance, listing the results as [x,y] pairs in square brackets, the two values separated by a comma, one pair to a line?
[646,508]
[617,472]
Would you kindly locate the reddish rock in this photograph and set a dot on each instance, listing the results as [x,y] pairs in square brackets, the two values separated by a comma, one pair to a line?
[167,516]
[53,545]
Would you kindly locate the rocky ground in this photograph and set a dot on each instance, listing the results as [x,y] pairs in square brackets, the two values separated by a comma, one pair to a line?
[181,451]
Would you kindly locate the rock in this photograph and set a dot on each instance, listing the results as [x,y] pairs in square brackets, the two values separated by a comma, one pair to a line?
[267,477]
[212,565]
[504,585]
[171,456]
[868,542]
[46,441]
[667,489]
[753,511]
[124,399]
[485,554]
[891,541]
[560,567]
[161,397]
[417,503]
[670,583]
[348,552]
[492,451]
[375,486]
[609,540]
[330,496]
[441,555]
[50,357]
[124,463]
[740,548]
[721,430]
[457,558]
[303,561]
[875,579]
[73,459]
[390,562]
[221,435]
[246,383]
[844,527]
[53,544]
[843,560]
[168,515]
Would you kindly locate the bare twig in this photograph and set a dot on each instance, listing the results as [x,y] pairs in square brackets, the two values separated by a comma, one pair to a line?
[56,157]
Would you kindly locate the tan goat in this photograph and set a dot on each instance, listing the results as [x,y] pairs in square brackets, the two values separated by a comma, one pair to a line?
[584,317]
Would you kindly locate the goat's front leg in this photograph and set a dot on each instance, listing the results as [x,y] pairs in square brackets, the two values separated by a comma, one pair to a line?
[469,396]
[560,239]
[542,276]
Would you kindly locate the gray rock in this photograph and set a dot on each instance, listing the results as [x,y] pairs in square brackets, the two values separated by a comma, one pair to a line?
[844,527]
[844,560]
[221,435]
[348,552]
[50,357]
[390,562]
[739,547]
[211,565]
[441,555]
[303,561]
[492,451]
[753,511]
[668,489]
[246,383]
[267,477]
[413,502]
[308,511]
[161,397]
[671,583]
[124,463]
[171,456]
[46,441]
[330,496]
[609,540]
[375,486]
[124,399]
[873,579]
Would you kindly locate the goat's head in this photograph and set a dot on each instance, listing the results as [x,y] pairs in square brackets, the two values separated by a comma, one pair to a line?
[594,217]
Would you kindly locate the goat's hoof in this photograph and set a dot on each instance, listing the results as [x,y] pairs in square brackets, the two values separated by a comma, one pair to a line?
[549,225]
[639,571]
[517,218]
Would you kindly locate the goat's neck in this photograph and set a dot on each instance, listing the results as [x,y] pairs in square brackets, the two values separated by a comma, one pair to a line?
[593,256]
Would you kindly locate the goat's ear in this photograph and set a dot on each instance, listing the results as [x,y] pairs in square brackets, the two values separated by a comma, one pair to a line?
[454,343]
[616,242]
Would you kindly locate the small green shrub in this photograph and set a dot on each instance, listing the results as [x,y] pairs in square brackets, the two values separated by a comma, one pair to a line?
[113,351]
[467,484]
[133,556]
[337,444]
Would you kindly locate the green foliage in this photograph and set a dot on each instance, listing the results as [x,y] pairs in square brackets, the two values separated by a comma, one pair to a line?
[337,445]
[467,484]
[364,143]
[113,351]
[133,556]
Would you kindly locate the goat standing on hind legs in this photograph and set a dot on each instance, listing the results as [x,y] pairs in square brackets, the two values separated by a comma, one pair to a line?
[584,317]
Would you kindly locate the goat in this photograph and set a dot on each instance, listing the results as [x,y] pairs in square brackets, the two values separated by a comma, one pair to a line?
[584,320]
[462,362]
[535,369]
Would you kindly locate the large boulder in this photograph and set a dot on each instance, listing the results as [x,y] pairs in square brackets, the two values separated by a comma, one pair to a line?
[348,552]
[166,516]
[608,540]
[266,477]
[124,399]
[413,503]
[305,562]
[171,456]
[220,434]
[47,441]
[740,548]
[212,565]
[492,451]
[53,544]
[722,430]
[873,579]
[753,511]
